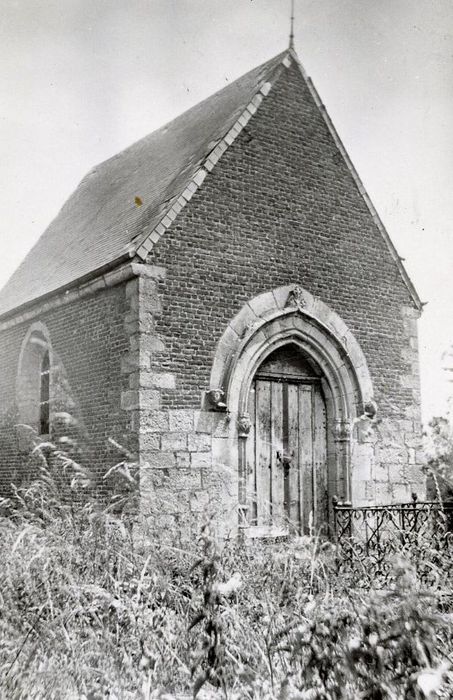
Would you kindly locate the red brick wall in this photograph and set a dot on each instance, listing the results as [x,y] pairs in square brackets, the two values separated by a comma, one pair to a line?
[280,207]
[88,342]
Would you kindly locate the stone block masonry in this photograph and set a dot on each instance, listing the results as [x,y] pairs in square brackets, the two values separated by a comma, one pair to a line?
[175,458]
[176,445]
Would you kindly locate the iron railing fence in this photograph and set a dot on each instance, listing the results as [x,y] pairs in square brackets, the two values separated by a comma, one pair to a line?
[367,537]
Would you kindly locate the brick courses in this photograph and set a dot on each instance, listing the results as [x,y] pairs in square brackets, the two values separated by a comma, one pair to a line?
[281,207]
[88,341]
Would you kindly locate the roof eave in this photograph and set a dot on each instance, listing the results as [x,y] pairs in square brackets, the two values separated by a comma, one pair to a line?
[80,283]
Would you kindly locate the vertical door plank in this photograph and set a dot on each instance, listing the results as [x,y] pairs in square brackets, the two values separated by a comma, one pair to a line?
[293,449]
[306,453]
[250,468]
[277,470]
[320,456]
[263,450]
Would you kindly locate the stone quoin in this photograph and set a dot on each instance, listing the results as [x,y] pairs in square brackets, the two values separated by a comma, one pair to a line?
[221,302]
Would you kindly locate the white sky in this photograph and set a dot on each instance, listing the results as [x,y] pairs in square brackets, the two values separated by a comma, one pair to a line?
[82,79]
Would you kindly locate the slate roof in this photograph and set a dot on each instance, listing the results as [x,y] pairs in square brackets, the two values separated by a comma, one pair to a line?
[101,220]
[103,224]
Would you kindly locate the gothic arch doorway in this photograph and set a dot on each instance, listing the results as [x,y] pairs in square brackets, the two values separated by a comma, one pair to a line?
[286,461]
[287,348]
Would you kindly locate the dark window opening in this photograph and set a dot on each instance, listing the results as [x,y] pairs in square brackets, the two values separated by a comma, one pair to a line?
[44,412]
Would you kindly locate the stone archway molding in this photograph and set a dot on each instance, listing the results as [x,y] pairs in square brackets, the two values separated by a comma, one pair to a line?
[291,314]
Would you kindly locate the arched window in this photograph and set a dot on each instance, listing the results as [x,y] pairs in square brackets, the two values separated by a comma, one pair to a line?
[44,398]
[34,381]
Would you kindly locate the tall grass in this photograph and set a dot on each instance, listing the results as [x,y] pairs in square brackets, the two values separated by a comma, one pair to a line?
[92,609]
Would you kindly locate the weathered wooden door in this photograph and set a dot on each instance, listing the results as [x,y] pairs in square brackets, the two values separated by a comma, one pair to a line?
[286,460]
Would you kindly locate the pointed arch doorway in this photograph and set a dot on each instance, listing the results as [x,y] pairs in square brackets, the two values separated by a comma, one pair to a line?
[288,349]
[286,460]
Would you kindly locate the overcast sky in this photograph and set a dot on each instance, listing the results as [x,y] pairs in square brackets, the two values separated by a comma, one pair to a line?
[82,79]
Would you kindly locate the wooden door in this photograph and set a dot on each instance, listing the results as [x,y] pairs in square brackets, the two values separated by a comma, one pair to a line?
[286,460]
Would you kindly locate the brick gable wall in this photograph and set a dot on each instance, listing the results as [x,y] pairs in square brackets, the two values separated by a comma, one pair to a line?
[280,207]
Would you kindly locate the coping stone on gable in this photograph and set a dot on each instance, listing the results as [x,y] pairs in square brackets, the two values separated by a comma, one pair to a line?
[211,160]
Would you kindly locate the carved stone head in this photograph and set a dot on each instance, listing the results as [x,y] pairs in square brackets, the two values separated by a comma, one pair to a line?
[215,397]
[370,409]
[244,424]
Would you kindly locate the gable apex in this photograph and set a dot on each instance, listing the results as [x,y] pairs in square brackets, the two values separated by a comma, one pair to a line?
[150,238]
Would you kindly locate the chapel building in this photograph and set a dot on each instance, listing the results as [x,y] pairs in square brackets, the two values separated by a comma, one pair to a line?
[221,301]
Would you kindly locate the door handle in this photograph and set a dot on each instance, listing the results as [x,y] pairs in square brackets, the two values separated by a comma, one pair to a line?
[285,458]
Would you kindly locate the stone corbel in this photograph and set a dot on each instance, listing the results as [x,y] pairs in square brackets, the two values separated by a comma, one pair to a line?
[216,399]
[364,424]
[370,409]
